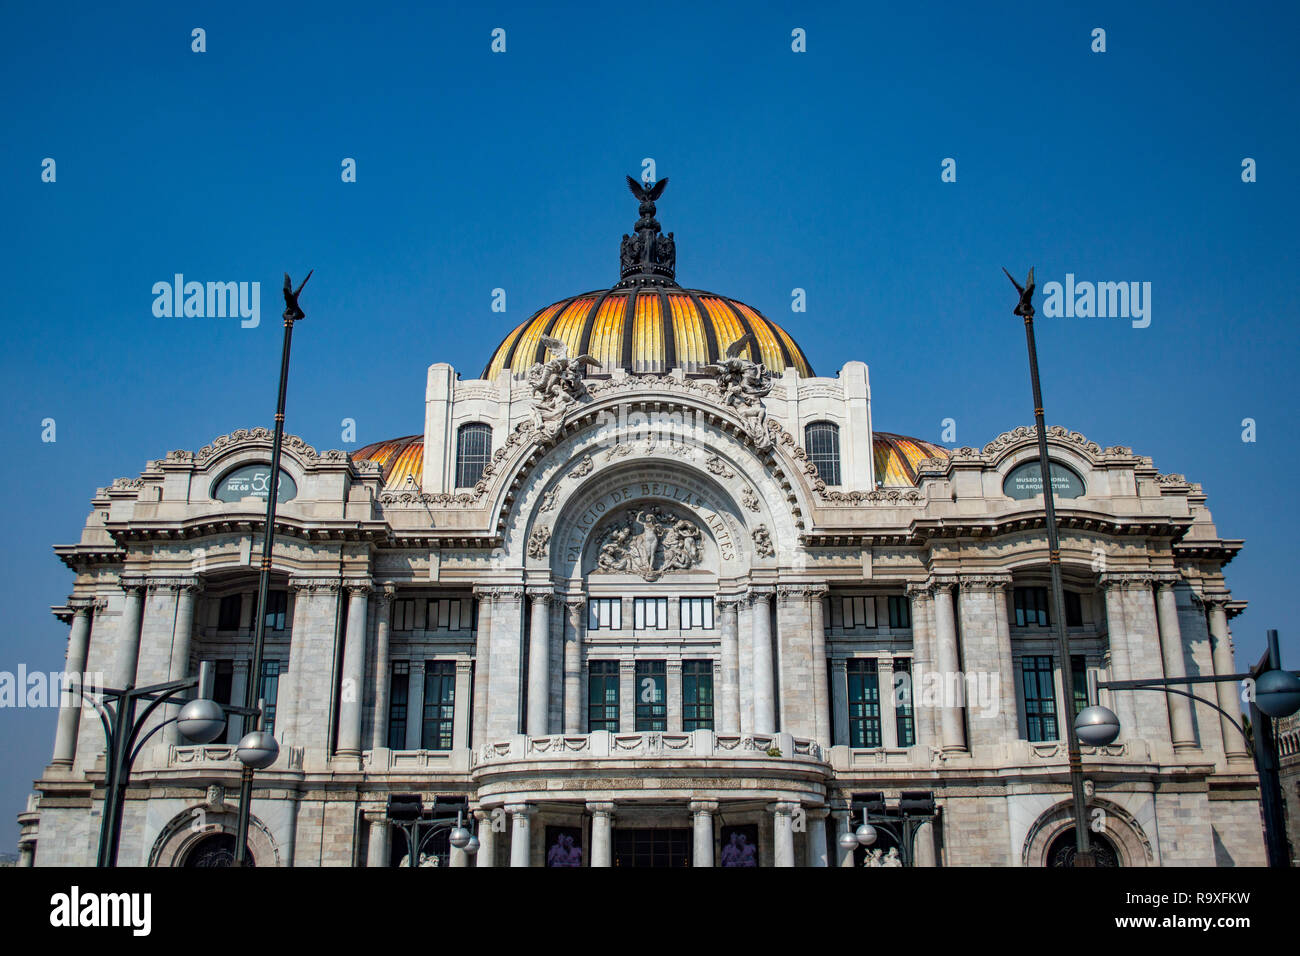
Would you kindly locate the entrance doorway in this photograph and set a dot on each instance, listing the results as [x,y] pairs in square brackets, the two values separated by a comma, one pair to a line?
[654,848]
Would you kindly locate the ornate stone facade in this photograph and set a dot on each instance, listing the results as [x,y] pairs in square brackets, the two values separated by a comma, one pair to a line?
[650,611]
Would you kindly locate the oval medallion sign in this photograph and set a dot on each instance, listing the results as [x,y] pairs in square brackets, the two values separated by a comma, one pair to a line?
[1026,481]
[251,481]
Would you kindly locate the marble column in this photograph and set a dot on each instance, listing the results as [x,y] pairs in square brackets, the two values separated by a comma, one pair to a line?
[461,729]
[487,839]
[764,690]
[843,824]
[820,678]
[602,840]
[1234,745]
[673,692]
[573,638]
[840,701]
[70,702]
[1120,701]
[888,706]
[923,718]
[818,851]
[729,699]
[377,848]
[539,664]
[183,637]
[505,684]
[482,661]
[1171,652]
[521,838]
[923,849]
[627,697]
[952,717]
[237,726]
[415,707]
[383,666]
[351,691]
[128,635]
[702,812]
[783,833]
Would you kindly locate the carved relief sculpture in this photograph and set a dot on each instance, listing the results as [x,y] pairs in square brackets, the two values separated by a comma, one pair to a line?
[744,385]
[651,542]
[557,384]
[763,542]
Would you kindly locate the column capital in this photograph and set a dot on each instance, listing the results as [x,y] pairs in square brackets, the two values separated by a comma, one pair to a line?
[511,593]
[818,813]
[1137,580]
[520,809]
[358,587]
[703,806]
[626,666]
[992,581]
[917,589]
[600,809]
[943,582]
[1216,600]
[575,602]
[464,665]
[759,595]
[540,596]
[314,584]
[783,807]
[729,603]
[134,582]
[786,593]
[171,583]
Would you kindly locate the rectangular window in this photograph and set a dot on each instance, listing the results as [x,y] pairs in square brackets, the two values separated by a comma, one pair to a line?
[650,614]
[1073,609]
[903,701]
[864,702]
[697,695]
[439,705]
[404,615]
[271,671]
[651,695]
[605,614]
[277,602]
[1040,697]
[859,611]
[1079,675]
[602,696]
[900,612]
[444,614]
[1031,607]
[398,698]
[697,613]
[222,687]
[228,612]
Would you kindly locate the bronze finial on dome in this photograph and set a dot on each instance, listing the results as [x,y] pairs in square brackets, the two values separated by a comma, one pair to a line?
[649,257]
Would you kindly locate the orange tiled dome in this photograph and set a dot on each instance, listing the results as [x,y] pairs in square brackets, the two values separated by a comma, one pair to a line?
[648,331]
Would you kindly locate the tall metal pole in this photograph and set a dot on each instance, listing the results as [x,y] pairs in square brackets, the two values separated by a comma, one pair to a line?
[1083,849]
[291,314]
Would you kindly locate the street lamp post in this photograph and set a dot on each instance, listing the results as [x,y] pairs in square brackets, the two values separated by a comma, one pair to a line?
[200,720]
[261,744]
[1275,693]
[1025,308]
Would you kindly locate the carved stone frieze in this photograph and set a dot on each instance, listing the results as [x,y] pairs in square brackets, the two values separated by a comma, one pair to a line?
[651,542]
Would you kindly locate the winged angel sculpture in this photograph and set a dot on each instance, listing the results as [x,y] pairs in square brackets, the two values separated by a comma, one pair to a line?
[744,385]
[557,383]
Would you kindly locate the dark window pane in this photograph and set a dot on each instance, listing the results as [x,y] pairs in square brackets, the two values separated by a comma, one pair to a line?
[1079,677]
[1040,697]
[473,452]
[397,704]
[822,440]
[270,690]
[697,695]
[903,701]
[439,705]
[651,695]
[228,612]
[602,696]
[277,602]
[1073,609]
[864,702]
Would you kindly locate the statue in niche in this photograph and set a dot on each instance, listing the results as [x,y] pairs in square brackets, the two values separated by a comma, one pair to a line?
[744,385]
[651,542]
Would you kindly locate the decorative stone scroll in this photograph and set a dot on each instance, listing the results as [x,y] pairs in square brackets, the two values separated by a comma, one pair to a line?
[651,542]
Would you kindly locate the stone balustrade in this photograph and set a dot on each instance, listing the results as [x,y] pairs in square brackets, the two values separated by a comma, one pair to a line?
[602,744]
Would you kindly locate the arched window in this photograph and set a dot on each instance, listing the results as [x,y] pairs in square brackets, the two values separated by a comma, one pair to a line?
[822,439]
[473,451]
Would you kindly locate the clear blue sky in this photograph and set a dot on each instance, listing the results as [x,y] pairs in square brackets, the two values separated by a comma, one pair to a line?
[477,170]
